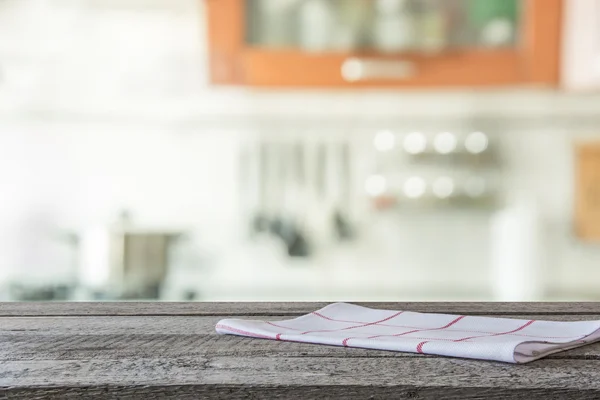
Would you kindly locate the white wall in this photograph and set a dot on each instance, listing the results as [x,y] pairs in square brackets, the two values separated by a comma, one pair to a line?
[87,128]
[74,176]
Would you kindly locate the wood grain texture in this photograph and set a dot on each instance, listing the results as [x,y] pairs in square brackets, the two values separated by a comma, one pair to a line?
[139,350]
[140,346]
[297,68]
[324,372]
[225,34]
[542,40]
[163,324]
[587,191]
[194,392]
[285,309]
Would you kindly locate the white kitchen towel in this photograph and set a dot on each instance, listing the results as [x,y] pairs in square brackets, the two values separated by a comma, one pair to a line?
[485,338]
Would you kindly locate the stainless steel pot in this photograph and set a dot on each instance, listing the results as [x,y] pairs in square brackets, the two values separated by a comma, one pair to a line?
[124,264]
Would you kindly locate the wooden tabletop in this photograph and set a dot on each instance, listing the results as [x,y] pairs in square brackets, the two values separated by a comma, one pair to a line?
[153,350]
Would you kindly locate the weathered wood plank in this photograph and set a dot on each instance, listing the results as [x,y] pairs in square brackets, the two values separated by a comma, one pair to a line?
[108,325]
[141,346]
[287,309]
[275,372]
[245,392]
[161,324]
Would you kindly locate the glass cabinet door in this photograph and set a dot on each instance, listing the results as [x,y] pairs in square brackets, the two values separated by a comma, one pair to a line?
[385,43]
[382,26]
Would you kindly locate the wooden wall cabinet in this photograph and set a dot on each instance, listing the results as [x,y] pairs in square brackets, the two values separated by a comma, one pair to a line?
[587,192]
[240,56]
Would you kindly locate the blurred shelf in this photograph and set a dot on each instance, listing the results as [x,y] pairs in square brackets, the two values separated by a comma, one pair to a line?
[238,109]
[429,203]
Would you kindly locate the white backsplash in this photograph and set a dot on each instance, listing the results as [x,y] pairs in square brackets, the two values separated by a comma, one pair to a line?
[76,174]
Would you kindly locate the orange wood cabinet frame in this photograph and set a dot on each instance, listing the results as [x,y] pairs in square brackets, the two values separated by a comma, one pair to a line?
[587,192]
[534,61]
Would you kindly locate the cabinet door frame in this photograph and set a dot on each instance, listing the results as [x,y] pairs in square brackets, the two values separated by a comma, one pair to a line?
[534,61]
[581,58]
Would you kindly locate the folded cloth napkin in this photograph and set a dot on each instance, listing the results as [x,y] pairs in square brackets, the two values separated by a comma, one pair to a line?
[485,338]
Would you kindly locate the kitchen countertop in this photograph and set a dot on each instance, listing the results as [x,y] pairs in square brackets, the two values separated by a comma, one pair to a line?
[135,350]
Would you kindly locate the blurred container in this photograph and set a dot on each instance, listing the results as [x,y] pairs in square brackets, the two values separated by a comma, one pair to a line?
[394,26]
[431,26]
[25,292]
[353,19]
[272,22]
[121,262]
[317,25]
[494,21]
[516,253]
[473,149]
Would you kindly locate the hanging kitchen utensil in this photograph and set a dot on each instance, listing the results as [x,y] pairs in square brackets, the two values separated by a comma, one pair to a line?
[272,199]
[299,245]
[260,221]
[341,221]
[286,225]
[321,212]
[321,170]
[276,196]
[246,177]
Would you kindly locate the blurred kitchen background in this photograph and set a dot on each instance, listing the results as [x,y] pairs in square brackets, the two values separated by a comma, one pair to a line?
[299,150]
